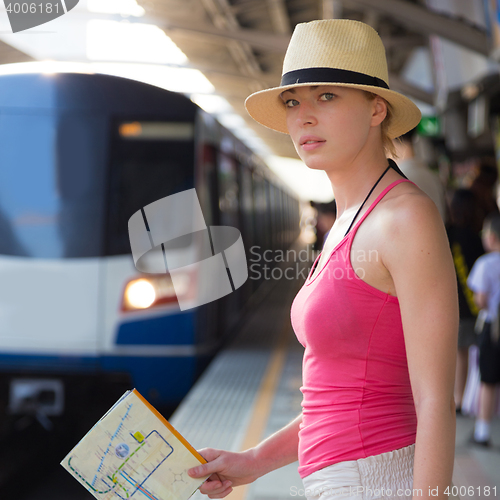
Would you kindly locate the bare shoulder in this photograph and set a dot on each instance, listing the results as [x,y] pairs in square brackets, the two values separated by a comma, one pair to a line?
[407,212]
[408,235]
[410,230]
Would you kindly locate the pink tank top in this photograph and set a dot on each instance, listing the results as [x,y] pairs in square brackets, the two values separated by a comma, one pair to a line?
[357,399]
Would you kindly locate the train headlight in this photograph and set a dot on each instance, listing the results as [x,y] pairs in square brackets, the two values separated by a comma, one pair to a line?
[139,294]
[154,291]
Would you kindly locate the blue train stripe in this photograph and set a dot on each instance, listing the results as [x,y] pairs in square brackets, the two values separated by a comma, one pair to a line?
[66,364]
[173,329]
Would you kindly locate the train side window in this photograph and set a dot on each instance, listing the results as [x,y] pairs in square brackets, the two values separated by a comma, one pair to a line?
[149,160]
[247,207]
[260,214]
[228,190]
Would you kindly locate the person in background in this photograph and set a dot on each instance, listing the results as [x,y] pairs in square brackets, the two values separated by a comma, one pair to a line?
[466,247]
[327,213]
[418,172]
[484,281]
[483,186]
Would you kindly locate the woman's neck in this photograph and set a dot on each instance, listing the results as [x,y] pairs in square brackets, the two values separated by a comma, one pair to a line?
[352,183]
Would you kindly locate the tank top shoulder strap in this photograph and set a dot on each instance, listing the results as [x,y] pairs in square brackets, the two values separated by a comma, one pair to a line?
[375,203]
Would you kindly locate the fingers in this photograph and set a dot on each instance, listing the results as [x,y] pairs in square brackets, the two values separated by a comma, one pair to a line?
[210,455]
[216,489]
[222,494]
[215,486]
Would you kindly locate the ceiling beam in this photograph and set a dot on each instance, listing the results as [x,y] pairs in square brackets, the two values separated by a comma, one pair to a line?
[279,16]
[331,9]
[410,90]
[418,18]
[272,42]
[224,19]
[395,41]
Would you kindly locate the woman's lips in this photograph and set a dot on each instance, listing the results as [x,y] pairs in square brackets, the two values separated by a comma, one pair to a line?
[310,143]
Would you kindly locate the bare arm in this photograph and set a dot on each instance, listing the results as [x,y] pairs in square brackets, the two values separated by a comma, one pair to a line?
[228,469]
[481,300]
[418,258]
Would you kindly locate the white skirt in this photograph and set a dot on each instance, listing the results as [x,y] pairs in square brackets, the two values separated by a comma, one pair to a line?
[385,476]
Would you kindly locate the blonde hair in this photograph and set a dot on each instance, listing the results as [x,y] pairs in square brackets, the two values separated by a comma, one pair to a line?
[389,147]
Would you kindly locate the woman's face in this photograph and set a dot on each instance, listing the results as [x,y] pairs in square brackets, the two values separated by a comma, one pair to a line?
[329,125]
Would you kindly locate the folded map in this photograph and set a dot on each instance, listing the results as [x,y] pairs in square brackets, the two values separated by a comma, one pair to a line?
[133,451]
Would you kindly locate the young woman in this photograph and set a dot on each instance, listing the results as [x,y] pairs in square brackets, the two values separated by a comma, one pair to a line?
[378,314]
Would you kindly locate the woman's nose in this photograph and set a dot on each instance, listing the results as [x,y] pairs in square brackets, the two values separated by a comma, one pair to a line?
[306,114]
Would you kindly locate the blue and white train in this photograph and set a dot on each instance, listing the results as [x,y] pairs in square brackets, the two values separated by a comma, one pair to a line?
[79,154]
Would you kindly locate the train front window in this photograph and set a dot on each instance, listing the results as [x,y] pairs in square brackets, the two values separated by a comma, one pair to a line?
[50,184]
[149,161]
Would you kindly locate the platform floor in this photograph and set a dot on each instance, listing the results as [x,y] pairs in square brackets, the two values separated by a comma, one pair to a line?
[252,389]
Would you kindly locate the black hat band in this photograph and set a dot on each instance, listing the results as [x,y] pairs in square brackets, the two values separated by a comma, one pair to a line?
[330,75]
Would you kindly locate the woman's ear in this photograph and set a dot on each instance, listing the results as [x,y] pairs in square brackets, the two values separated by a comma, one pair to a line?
[379,111]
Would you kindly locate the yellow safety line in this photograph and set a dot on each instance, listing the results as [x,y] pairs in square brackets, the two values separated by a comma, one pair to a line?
[263,404]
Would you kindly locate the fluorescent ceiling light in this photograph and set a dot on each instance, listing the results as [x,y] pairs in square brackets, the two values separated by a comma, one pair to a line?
[257,145]
[308,183]
[124,41]
[213,104]
[124,7]
[184,80]
[231,120]
[47,67]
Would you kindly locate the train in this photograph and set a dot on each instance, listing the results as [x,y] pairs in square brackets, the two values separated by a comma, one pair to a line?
[80,154]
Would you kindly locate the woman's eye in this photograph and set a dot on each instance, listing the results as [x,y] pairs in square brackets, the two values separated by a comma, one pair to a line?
[290,103]
[328,96]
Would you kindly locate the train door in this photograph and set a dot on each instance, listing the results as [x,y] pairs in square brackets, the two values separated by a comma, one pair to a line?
[261,222]
[210,317]
[249,228]
[154,342]
[229,206]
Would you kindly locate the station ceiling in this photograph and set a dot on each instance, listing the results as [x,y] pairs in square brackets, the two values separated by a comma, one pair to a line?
[239,44]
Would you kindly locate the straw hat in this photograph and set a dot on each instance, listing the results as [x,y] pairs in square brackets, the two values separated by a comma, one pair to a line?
[337,52]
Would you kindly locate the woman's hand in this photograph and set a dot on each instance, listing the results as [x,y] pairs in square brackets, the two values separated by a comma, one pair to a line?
[226,469]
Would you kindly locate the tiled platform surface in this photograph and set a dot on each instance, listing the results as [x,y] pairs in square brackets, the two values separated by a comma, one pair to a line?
[476,467]
[265,362]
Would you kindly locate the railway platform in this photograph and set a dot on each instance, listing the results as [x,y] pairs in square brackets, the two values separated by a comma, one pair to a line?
[252,389]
